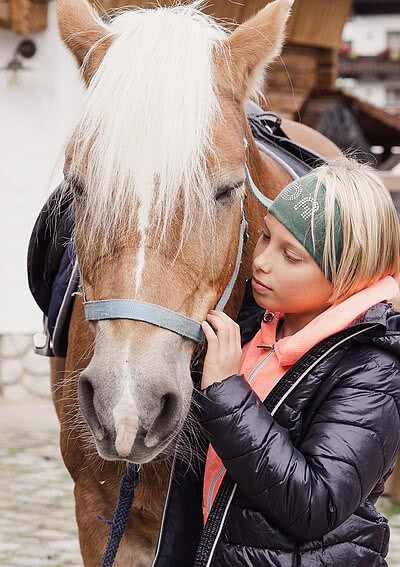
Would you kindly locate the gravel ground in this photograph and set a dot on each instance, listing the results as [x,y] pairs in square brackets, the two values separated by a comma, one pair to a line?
[37,523]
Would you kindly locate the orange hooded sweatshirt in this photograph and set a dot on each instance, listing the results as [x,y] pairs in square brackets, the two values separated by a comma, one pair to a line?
[265,361]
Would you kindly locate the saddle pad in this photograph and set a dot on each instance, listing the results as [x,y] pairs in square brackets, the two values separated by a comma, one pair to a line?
[50,236]
[267,131]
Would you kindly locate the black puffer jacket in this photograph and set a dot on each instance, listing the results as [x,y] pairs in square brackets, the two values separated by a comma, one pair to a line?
[305,467]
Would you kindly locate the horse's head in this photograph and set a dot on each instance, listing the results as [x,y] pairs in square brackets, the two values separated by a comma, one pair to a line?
[156,167]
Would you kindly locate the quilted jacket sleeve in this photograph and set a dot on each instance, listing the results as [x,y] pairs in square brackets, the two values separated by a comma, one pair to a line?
[350,444]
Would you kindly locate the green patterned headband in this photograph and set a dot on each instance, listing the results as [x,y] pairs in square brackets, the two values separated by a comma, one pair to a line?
[297,206]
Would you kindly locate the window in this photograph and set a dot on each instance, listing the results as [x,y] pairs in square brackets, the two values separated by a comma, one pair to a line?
[393,40]
[393,96]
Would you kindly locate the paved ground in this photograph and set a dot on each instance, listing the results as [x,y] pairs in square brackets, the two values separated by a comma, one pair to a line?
[37,526]
[392,512]
[37,523]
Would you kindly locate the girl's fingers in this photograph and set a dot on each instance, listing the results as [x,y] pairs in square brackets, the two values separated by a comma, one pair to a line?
[209,332]
[238,335]
[228,329]
[221,318]
[221,315]
[220,327]
[216,321]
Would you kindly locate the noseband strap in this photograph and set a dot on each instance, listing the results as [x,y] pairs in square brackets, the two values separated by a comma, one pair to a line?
[143,311]
[160,316]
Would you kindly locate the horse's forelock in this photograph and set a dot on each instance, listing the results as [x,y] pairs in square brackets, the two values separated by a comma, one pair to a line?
[145,132]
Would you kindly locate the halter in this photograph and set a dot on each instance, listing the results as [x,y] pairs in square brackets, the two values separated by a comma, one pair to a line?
[161,316]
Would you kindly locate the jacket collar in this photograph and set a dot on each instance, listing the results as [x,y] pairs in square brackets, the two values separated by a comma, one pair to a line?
[339,316]
[382,315]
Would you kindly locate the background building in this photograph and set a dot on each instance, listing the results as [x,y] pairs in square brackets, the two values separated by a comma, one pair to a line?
[370,54]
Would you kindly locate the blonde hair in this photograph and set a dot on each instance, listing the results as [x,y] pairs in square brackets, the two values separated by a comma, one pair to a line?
[370,224]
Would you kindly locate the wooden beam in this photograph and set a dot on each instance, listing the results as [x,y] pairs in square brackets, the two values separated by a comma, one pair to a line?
[20,16]
[376,7]
[392,182]
[318,22]
[4,13]
[38,16]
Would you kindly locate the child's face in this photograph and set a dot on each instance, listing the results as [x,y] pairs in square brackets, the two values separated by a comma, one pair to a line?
[285,277]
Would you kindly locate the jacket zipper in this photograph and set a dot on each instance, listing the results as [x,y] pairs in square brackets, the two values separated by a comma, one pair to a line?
[261,364]
[273,412]
[221,470]
[253,373]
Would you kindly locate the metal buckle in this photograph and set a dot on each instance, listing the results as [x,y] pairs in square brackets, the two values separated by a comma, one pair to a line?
[267,117]
[268,317]
[41,341]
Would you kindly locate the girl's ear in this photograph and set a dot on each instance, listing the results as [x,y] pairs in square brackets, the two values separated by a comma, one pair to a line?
[254,45]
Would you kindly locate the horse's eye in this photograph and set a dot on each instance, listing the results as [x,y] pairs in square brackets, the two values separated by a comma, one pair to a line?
[226,194]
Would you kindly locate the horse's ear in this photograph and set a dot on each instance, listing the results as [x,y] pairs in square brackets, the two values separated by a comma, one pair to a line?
[81,30]
[255,44]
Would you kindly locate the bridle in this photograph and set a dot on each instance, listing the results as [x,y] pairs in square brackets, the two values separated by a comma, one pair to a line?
[166,318]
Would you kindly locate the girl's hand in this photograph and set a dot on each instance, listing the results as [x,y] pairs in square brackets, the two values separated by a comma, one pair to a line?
[223,350]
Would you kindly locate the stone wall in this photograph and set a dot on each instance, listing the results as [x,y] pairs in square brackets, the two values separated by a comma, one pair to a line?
[22,372]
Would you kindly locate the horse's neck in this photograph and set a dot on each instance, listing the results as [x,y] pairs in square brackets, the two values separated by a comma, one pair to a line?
[270,178]
[268,175]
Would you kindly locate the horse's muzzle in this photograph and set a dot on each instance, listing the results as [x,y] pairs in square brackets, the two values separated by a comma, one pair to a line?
[127,434]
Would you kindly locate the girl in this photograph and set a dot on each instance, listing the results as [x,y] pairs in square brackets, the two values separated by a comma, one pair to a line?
[303,423]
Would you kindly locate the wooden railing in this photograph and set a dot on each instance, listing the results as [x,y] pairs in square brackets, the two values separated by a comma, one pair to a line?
[368,65]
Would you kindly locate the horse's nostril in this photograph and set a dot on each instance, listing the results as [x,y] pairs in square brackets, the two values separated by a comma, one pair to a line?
[167,403]
[86,402]
[165,424]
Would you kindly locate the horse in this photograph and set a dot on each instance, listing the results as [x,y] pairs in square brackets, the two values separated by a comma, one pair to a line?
[156,170]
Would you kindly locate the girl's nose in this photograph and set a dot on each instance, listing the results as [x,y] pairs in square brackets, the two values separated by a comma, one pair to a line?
[263,262]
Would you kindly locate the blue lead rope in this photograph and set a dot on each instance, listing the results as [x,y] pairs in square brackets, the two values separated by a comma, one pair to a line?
[121,515]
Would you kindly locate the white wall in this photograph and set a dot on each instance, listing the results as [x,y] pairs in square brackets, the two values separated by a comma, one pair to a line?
[369,33]
[36,117]
[372,91]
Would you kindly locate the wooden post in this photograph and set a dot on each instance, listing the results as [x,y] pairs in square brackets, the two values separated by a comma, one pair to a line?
[318,22]
[20,16]
[392,485]
[327,69]
[38,15]
[4,13]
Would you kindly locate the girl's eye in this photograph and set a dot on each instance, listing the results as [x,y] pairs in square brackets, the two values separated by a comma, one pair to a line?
[266,237]
[291,259]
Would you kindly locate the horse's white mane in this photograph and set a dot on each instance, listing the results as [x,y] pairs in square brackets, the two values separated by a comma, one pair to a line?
[146,125]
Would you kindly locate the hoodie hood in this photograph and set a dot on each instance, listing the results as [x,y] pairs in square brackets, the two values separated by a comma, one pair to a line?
[343,314]
[387,334]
